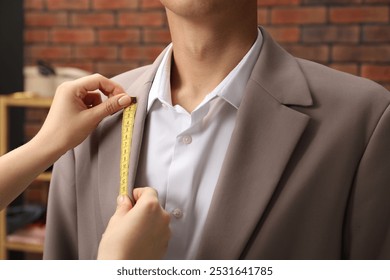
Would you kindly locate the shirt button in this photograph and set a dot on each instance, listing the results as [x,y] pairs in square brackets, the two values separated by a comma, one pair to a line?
[187,139]
[177,213]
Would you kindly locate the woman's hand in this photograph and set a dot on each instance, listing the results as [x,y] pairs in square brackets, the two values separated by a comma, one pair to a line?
[77,109]
[140,232]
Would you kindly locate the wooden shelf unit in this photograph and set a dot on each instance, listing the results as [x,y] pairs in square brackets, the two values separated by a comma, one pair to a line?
[20,100]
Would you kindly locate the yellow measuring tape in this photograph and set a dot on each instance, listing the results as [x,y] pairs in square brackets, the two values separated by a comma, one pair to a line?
[127,135]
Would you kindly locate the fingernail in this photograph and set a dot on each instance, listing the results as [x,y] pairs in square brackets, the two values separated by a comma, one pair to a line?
[120,199]
[124,100]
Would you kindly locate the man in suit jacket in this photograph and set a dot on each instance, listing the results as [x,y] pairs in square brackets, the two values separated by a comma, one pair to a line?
[304,174]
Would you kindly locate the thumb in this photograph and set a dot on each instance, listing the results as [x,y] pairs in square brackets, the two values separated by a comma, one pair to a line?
[110,106]
[124,205]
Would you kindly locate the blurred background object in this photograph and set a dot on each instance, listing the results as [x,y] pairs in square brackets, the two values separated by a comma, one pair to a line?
[43,79]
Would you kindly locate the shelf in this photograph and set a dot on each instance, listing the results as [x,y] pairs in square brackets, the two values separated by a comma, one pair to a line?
[28,239]
[44,177]
[25,247]
[26,100]
[31,238]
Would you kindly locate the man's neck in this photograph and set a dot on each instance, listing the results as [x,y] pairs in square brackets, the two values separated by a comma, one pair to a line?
[203,55]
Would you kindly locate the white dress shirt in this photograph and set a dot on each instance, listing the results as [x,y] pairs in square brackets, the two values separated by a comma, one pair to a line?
[182,152]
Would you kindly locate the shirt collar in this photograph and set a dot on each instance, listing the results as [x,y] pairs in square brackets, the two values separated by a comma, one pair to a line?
[230,89]
[161,87]
[233,86]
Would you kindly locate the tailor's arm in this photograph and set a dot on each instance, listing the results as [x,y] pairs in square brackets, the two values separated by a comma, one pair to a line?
[76,110]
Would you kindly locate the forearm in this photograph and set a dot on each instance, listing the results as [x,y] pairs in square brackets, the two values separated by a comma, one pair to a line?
[22,165]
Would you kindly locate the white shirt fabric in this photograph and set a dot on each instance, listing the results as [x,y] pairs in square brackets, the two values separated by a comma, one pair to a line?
[183,152]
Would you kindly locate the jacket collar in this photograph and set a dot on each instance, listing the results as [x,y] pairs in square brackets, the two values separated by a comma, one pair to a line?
[280,75]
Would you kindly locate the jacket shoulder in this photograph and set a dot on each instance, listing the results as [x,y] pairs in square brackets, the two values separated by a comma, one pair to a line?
[127,78]
[326,81]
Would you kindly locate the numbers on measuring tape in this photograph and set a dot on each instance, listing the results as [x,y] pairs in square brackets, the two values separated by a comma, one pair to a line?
[126,139]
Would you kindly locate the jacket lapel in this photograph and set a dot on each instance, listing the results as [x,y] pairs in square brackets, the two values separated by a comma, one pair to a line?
[109,146]
[265,136]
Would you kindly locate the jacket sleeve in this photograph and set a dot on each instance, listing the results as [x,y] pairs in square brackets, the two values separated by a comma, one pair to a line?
[61,224]
[367,232]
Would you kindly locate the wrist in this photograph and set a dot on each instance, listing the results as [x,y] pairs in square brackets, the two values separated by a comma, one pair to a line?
[49,148]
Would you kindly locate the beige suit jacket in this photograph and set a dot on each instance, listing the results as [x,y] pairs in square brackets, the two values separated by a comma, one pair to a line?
[306,174]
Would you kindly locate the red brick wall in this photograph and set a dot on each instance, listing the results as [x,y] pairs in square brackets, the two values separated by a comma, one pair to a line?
[113,36]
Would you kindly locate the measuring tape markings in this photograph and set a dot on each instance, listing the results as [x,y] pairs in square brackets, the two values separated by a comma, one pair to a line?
[127,136]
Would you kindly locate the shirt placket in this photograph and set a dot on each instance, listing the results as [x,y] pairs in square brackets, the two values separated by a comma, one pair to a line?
[179,201]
